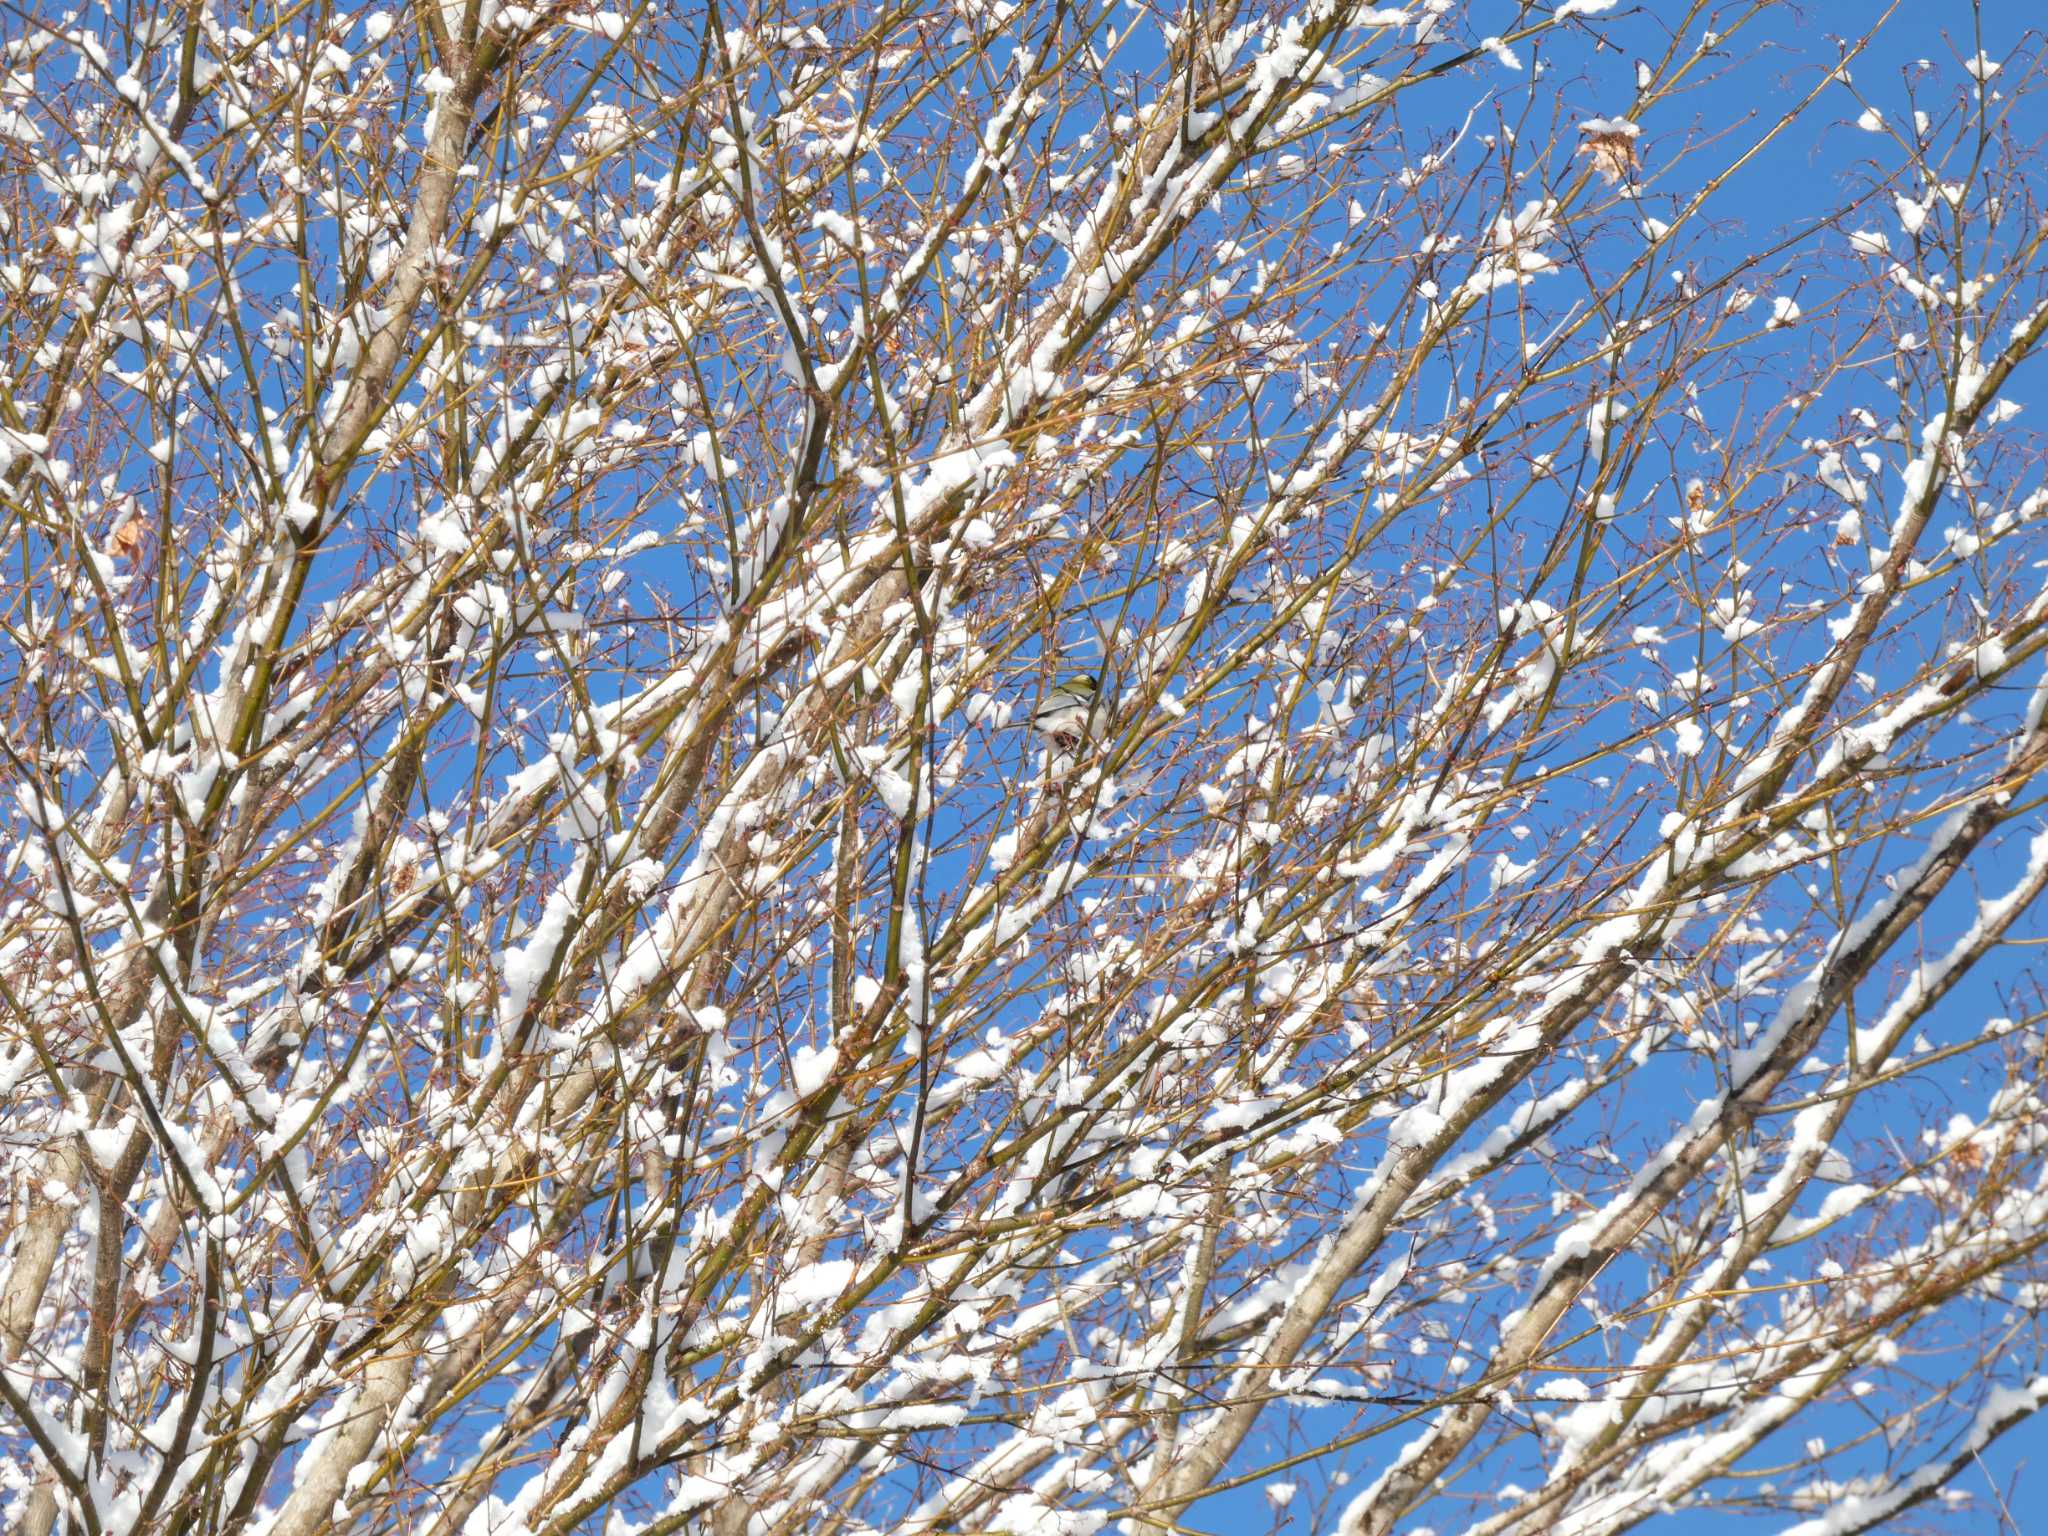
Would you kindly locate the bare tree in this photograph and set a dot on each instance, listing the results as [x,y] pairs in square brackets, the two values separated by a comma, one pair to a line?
[552,979]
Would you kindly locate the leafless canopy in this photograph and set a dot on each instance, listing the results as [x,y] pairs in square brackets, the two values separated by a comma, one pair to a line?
[548,983]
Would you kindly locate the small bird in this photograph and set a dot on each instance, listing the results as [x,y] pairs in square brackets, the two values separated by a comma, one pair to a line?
[1065,713]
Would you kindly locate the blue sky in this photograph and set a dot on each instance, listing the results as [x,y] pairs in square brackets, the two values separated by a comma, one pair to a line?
[1820,163]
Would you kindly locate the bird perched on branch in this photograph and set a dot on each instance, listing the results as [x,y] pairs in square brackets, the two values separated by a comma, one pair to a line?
[1066,714]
